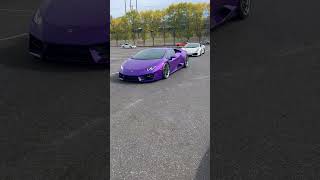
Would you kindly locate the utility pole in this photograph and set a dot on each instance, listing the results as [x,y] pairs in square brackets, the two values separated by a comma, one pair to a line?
[137,5]
[130,6]
[125,6]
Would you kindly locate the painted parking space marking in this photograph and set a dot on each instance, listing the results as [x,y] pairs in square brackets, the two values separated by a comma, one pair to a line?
[13,37]
[17,10]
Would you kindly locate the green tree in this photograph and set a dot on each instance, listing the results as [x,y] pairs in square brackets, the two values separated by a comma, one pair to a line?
[115,29]
[156,17]
[125,34]
[172,20]
[133,22]
[163,26]
[198,19]
[145,19]
[181,20]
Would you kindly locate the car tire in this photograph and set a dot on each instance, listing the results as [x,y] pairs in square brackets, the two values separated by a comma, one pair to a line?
[244,8]
[166,71]
[186,62]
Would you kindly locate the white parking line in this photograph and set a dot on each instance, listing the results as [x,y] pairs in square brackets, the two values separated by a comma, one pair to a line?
[16,10]
[117,59]
[78,131]
[133,103]
[126,108]
[201,77]
[14,37]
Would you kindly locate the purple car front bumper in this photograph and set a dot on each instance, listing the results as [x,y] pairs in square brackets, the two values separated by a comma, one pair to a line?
[144,77]
[95,53]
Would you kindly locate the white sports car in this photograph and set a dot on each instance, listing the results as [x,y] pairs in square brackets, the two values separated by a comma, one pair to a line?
[128,46]
[194,49]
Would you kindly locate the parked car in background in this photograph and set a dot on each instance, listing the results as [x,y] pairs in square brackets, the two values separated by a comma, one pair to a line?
[205,42]
[181,44]
[194,49]
[128,46]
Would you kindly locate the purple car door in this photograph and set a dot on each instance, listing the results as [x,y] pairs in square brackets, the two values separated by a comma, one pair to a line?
[172,59]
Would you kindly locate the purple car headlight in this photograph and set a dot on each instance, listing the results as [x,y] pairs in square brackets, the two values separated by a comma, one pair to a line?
[37,18]
[151,68]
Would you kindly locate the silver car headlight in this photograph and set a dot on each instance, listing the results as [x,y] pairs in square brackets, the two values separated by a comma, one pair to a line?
[37,18]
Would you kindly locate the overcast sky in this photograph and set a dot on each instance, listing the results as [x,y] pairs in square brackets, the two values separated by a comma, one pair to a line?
[117,6]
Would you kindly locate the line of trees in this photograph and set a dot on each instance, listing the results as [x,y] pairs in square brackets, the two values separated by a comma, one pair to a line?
[180,20]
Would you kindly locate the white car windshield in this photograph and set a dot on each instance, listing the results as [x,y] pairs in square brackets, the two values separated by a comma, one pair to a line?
[192,45]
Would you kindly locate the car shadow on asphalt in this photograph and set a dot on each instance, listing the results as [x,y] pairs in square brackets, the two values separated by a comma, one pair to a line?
[203,172]
[115,79]
[224,25]
[15,55]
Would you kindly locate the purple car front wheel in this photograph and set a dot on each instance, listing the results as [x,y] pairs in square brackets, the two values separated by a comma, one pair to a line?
[244,8]
[166,71]
[186,63]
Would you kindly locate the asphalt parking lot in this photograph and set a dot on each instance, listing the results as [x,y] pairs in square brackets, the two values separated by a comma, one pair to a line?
[160,130]
[266,95]
[52,115]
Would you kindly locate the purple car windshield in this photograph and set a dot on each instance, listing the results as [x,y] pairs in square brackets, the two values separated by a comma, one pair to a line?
[149,54]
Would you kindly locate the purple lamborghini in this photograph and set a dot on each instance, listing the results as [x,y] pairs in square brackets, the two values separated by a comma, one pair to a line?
[153,64]
[72,30]
[225,9]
